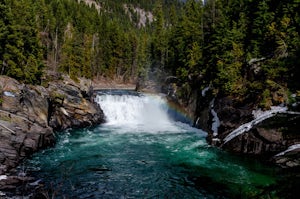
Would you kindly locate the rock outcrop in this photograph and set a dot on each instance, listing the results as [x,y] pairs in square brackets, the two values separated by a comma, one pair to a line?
[232,126]
[29,115]
[265,136]
[68,107]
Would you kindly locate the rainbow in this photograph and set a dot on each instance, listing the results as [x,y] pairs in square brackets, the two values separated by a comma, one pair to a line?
[175,110]
[179,112]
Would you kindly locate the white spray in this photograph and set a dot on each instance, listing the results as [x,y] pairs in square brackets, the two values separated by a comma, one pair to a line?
[138,113]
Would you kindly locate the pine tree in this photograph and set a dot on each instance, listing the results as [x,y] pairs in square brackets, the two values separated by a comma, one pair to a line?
[159,37]
[21,51]
[187,41]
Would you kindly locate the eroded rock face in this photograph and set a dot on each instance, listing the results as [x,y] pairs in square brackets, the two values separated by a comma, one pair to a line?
[29,115]
[264,139]
[267,138]
[69,108]
[23,123]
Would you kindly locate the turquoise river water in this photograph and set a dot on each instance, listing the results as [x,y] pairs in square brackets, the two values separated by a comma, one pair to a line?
[141,152]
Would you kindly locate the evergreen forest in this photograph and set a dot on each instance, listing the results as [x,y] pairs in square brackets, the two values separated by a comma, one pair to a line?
[249,49]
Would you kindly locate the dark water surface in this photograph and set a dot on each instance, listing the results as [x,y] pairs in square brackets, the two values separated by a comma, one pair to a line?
[141,153]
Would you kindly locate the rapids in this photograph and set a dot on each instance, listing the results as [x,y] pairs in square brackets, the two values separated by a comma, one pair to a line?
[142,152]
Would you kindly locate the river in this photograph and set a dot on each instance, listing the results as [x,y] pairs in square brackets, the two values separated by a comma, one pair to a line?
[143,151]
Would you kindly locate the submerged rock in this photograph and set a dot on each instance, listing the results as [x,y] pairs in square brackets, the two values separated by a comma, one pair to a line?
[29,115]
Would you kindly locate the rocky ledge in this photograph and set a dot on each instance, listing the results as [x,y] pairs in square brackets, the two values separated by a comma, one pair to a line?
[242,128]
[29,115]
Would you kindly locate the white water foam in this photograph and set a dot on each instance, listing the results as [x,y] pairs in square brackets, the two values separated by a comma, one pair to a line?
[139,113]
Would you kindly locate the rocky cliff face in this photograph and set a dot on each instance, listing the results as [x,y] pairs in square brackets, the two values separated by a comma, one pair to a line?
[69,108]
[265,136]
[274,136]
[29,115]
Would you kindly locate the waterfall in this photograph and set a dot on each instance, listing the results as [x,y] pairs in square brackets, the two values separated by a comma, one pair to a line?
[136,112]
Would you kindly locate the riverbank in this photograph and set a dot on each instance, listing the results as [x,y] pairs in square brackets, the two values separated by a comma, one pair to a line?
[242,126]
[29,116]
